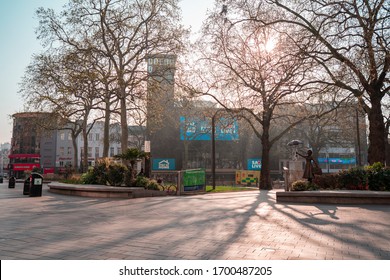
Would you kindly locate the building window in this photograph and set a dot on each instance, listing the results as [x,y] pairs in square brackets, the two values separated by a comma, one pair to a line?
[69,150]
[96,152]
[111,151]
[62,151]
[97,136]
[62,135]
[89,152]
[90,137]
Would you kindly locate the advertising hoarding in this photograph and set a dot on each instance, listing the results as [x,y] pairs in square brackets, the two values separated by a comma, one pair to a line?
[192,128]
[254,164]
[337,160]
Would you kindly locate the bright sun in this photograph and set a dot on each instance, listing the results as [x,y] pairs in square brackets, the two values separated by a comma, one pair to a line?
[270,45]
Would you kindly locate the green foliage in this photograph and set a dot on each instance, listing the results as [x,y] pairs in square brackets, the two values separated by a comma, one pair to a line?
[378,177]
[131,155]
[104,171]
[129,178]
[354,179]
[74,179]
[152,185]
[375,177]
[115,174]
[328,181]
[303,186]
[100,172]
[88,178]
[142,182]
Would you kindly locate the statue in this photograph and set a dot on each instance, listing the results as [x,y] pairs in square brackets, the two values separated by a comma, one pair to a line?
[295,144]
[309,169]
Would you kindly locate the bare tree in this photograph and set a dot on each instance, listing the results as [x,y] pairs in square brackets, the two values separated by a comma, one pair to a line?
[122,31]
[350,40]
[336,128]
[64,85]
[251,70]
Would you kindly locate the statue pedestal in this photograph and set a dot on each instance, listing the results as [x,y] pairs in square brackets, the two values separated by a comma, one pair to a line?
[293,173]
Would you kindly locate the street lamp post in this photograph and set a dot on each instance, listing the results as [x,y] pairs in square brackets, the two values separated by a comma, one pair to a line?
[213,149]
[213,145]
[147,158]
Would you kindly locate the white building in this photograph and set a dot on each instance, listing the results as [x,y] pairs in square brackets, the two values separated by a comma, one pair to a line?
[96,137]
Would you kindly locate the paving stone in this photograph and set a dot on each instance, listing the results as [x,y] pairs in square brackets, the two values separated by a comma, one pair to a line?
[226,226]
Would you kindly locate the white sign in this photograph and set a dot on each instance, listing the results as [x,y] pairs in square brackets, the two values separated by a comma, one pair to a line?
[37,181]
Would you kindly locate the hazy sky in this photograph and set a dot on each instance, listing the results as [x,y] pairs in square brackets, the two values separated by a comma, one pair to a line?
[18,43]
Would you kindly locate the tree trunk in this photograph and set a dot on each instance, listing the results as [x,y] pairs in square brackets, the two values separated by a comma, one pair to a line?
[85,148]
[124,127]
[75,155]
[85,151]
[265,176]
[376,135]
[185,161]
[106,132]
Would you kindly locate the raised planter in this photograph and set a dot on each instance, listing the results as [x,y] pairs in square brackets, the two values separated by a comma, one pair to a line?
[99,191]
[334,197]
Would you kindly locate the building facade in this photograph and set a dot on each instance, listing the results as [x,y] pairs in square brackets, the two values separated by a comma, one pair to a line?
[33,146]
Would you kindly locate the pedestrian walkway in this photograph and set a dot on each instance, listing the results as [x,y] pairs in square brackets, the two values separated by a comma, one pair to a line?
[244,225]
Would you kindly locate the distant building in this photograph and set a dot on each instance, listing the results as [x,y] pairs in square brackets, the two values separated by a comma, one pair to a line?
[338,140]
[37,144]
[4,160]
[95,141]
[28,133]
[162,116]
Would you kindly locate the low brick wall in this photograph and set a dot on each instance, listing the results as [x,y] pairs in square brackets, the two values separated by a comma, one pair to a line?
[334,197]
[102,191]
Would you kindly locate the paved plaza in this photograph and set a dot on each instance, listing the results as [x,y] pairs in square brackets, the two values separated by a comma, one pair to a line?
[244,225]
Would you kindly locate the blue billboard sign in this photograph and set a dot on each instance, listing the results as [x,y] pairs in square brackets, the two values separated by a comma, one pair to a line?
[200,129]
[254,164]
[164,164]
[337,160]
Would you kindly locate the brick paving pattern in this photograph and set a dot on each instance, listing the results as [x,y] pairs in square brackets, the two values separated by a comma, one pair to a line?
[239,226]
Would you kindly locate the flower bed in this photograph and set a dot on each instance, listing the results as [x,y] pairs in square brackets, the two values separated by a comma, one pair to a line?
[374,178]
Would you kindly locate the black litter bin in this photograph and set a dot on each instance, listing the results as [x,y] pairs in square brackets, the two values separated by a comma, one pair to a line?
[26,187]
[11,182]
[36,182]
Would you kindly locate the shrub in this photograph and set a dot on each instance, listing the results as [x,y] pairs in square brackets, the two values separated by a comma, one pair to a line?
[115,174]
[88,178]
[153,185]
[354,179]
[74,179]
[303,186]
[129,178]
[328,181]
[142,182]
[100,172]
[378,177]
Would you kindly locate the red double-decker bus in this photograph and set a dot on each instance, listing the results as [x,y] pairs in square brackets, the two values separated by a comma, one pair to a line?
[19,163]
